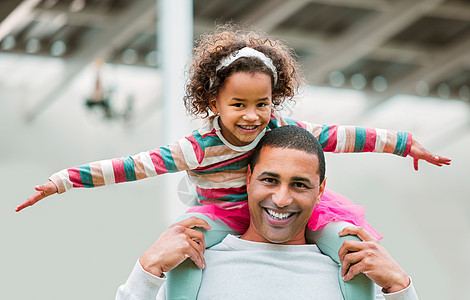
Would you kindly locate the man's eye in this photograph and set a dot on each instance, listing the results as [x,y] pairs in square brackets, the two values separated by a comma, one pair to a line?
[269,180]
[299,185]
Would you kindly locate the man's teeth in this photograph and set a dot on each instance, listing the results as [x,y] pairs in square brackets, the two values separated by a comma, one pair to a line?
[278,216]
[248,127]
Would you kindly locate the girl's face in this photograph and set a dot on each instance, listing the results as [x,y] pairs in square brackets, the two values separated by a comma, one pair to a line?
[244,105]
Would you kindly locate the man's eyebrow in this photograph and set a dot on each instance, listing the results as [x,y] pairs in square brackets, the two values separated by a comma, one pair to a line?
[270,174]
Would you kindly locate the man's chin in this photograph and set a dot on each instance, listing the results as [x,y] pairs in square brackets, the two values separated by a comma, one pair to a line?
[280,237]
[284,235]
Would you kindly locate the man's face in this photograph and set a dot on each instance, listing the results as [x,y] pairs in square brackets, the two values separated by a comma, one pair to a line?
[283,188]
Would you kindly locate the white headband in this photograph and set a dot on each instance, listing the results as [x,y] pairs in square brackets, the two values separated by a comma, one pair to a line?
[248,52]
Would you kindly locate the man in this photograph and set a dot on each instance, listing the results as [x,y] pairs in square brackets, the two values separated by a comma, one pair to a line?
[285,181]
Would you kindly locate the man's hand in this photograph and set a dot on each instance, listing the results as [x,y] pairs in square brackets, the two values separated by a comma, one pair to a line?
[43,191]
[419,152]
[179,242]
[370,257]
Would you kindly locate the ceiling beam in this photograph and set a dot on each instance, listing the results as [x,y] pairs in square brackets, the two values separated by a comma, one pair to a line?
[273,12]
[100,44]
[368,35]
[306,41]
[442,64]
[401,53]
[376,5]
[47,25]
[209,7]
[319,44]
[96,19]
[453,11]
[17,17]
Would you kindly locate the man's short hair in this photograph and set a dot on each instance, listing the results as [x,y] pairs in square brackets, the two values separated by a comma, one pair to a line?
[291,137]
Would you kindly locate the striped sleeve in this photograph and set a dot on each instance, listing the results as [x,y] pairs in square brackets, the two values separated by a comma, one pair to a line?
[345,139]
[182,155]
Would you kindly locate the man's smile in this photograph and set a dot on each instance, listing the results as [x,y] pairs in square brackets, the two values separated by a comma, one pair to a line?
[278,216]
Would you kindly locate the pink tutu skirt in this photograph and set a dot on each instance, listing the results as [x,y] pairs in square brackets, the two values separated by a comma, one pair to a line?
[332,207]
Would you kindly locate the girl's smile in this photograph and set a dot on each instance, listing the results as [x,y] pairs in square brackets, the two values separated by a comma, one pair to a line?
[244,105]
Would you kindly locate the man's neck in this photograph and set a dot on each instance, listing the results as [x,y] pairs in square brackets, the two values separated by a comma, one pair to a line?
[253,235]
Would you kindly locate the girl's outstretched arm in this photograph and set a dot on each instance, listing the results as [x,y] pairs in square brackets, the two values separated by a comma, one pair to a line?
[344,139]
[417,151]
[182,155]
[43,191]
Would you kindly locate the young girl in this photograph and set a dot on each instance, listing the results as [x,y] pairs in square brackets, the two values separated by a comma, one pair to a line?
[237,81]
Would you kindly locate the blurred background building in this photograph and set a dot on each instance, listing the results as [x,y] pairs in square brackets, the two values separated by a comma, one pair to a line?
[83,80]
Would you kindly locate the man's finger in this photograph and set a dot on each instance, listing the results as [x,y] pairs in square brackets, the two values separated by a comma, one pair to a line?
[353,271]
[349,246]
[192,222]
[196,255]
[200,251]
[349,259]
[196,236]
[358,231]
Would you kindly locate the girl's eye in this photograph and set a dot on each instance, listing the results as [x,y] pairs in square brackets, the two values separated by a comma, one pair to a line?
[238,104]
[262,104]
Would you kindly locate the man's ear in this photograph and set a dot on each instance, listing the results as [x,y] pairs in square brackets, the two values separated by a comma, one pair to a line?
[248,175]
[320,191]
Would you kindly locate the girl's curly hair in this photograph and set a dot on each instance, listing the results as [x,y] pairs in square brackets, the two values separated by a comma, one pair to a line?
[204,82]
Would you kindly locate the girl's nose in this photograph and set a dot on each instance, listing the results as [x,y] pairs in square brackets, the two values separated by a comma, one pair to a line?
[250,116]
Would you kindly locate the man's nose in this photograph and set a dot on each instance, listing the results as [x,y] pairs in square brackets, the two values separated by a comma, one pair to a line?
[282,197]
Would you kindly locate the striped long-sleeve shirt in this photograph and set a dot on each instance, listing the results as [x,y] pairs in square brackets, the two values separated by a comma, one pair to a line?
[217,168]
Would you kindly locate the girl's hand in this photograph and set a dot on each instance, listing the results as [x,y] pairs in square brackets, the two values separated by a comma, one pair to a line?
[419,152]
[43,191]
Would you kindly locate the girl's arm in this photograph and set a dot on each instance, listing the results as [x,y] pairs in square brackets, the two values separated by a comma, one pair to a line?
[345,139]
[185,154]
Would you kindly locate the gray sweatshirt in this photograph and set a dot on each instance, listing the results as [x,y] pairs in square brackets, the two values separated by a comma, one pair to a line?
[240,269]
